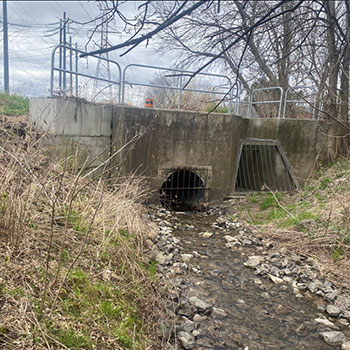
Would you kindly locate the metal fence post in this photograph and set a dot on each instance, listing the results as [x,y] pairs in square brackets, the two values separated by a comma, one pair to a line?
[180,92]
[70,66]
[76,71]
[230,98]
[60,57]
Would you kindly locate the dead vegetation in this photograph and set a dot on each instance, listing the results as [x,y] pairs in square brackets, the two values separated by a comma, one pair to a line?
[314,221]
[73,274]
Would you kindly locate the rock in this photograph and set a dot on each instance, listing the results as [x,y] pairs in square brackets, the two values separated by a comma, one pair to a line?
[160,258]
[257,281]
[333,310]
[344,322]
[262,270]
[164,330]
[186,257]
[275,271]
[186,340]
[327,284]
[199,318]
[202,306]
[314,286]
[186,309]
[326,323]
[254,261]
[233,244]
[247,242]
[346,346]
[229,238]
[207,234]
[188,325]
[343,301]
[218,312]
[196,333]
[332,296]
[333,337]
[275,280]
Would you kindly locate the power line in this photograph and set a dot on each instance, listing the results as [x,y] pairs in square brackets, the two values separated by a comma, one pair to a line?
[81,5]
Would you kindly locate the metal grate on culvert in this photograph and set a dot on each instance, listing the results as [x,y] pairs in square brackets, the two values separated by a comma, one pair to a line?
[183,189]
[261,165]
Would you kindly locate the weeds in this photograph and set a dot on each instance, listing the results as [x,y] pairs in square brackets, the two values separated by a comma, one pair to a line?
[72,271]
[13,105]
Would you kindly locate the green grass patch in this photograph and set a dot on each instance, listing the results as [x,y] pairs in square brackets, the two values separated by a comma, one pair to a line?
[270,201]
[325,182]
[212,108]
[111,310]
[152,269]
[14,105]
[337,253]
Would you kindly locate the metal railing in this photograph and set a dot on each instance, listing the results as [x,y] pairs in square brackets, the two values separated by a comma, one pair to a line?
[180,87]
[122,81]
[236,97]
[299,101]
[76,72]
[252,102]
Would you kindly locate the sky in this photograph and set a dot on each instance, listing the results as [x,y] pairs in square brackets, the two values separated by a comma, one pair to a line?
[33,33]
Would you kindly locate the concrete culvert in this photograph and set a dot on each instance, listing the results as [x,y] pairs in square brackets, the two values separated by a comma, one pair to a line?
[182,190]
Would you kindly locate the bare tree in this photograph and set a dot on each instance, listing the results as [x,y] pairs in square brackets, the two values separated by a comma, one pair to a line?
[282,43]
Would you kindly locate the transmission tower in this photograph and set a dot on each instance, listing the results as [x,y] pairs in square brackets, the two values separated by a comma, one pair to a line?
[103,69]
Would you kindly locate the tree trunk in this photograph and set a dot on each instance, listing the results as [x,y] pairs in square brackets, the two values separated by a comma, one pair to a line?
[331,103]
[344,82]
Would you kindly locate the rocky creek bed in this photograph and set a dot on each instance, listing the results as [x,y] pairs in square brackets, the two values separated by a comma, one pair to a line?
[230,289]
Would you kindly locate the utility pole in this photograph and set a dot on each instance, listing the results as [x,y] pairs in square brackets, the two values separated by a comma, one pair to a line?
[6,48]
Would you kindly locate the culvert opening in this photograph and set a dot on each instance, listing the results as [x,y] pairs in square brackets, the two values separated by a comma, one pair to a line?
[183,190]
[263,166]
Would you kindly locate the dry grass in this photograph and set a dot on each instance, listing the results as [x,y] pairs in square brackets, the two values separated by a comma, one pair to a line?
[73,273]
[314,221]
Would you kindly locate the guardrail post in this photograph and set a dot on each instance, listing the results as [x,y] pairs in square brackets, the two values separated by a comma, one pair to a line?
[76,71]
[180,92]
[230,97]
[250,104]
[280,104]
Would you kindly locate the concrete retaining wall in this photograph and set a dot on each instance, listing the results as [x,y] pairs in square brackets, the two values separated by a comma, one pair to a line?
[153,142]
[79,128]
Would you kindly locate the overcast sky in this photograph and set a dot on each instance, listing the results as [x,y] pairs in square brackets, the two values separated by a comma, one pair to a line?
[33,34]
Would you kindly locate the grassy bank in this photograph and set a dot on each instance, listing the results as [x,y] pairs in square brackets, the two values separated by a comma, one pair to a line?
[314,221]
[73,274]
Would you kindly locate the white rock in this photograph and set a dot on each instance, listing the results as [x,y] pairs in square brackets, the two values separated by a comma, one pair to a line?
[275,280]
[160,258]
[196,333]
[326,323]
[333,337]
[200,304]
[229,238]
[218,312]
[254,261]
[346,346]
[333,310]
[186,257]
[207,234]
[199,318]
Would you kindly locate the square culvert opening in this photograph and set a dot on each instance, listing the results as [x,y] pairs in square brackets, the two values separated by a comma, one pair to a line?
[261,166]
[183,190]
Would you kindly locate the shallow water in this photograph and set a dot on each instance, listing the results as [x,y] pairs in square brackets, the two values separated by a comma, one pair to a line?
[260,314]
